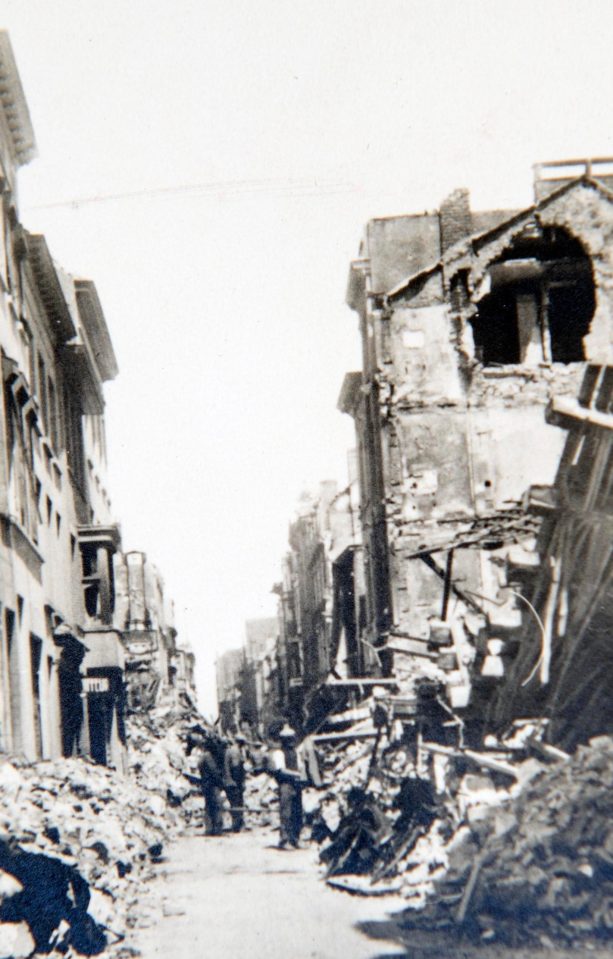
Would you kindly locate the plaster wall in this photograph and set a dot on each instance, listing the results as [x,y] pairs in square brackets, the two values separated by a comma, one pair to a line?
[401,246]
[424,365]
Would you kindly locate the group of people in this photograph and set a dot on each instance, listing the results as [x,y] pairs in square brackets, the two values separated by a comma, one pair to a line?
[222,769]
[223,766]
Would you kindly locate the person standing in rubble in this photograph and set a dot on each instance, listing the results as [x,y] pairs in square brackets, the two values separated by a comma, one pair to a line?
[293,767]
[380,712]
[211,783]
[234,780]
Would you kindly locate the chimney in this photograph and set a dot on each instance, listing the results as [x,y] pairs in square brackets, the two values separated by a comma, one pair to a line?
[455,218]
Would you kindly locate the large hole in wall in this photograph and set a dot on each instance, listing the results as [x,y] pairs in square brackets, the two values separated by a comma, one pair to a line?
[541,302]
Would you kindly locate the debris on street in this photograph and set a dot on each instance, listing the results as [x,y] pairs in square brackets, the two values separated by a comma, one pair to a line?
[79,840]
[541,866]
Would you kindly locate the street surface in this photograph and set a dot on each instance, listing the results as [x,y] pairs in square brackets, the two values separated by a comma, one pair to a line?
[239,896]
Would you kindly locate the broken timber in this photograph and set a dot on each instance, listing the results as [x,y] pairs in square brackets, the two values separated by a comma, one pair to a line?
[488,762]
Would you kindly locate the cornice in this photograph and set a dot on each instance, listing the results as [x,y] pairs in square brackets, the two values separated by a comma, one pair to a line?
[14,106]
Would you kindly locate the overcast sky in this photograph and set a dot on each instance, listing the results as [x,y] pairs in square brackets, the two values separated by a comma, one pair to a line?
[258,138]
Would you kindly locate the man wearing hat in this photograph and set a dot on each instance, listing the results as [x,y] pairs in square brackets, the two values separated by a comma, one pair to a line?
[288,768]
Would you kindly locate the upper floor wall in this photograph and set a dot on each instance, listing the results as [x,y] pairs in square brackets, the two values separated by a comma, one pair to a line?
[532,292]
[504,318]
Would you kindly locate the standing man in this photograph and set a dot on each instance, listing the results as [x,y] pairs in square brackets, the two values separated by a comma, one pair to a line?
[288,768]
[211,780]
[234,780]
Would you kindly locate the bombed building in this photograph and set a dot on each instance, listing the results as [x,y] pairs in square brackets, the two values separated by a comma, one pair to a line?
[471,324]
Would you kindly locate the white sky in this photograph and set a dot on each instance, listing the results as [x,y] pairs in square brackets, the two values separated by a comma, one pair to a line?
[226,303]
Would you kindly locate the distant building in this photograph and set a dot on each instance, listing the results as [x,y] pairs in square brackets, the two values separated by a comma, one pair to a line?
[322,603]
[228,669]
[183,666]
[258,679]
[146,622]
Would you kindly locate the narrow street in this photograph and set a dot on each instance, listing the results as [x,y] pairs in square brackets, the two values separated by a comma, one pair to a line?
[238,895]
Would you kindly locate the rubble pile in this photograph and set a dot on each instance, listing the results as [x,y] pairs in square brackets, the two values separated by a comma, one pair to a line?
[261,799]
[158,760]
[76,842]
[376,816]
[539,868]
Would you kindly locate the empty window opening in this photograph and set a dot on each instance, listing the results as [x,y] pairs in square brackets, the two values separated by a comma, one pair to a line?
[54,416]
[11,663]
[98,587]
[42,392]
[36,646]
[541,302]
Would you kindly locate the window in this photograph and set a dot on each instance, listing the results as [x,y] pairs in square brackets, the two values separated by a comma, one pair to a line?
[36,646]
[97,579]
[22,490]
[42,393]
[74,440]
[541,302]
[54,419]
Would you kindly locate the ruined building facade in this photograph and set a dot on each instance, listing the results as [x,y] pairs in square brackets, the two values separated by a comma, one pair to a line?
[470,324]
[145,617]
[320,631]
[62,654]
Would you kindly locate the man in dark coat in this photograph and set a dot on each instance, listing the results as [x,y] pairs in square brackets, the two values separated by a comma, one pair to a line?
[211,783]
[234,781]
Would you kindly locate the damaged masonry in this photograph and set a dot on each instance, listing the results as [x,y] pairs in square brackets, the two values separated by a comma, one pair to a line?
[443,628]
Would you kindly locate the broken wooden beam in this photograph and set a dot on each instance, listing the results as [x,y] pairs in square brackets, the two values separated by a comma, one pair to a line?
[362,682]
[332,737]
[488,762]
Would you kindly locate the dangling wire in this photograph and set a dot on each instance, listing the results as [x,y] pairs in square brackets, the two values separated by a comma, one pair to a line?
[532,673]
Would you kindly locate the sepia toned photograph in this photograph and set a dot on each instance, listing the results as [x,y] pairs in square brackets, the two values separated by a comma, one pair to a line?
[306,486]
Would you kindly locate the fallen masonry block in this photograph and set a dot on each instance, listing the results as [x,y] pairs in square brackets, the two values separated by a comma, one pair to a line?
[16,940]
[9,885]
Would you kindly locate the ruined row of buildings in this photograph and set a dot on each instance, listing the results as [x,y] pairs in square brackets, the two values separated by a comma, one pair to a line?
[81,623]
[471,550]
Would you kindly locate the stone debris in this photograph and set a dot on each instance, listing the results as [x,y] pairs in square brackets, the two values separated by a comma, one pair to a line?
[16,940]
[517,850]
[539,867]
[157,742]
[261,800]
[79,840]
